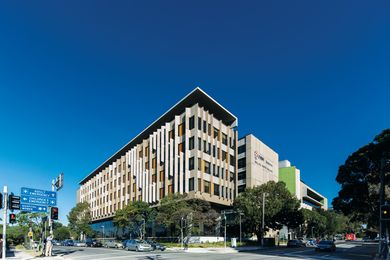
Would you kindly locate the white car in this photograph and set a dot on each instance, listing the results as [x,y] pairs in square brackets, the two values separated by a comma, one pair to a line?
[80,244]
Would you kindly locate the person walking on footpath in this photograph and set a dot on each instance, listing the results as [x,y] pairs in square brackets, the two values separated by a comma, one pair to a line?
[49,245]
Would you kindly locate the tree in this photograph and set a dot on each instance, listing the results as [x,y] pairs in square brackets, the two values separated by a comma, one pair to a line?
[121,219]
[79,219]
[61,233]
[281,208]
[177,208]
[359,177]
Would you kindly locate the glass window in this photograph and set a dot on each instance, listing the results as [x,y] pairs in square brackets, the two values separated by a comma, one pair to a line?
[209,129]
[241,175]
[216,132]
[191,122]
[214,151]
[146,151]
[170,189]
[207,167]
[181,129]
[232,160]
[161,193]
[224,156]
[199,144]
[154,163]
[242,149]
[204,126]
[181,148]
[216,189]
[199,164]
[162,175]
[191,163]
[191,184]
[191,143]
[207,186]
[199,124]
[224,139]
[241,163]
[199,184]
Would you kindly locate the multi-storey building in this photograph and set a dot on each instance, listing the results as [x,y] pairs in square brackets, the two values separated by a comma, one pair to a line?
[190,149]
[257,163]
[308,197]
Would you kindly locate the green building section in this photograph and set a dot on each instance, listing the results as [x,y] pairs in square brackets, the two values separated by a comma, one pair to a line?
[288,176]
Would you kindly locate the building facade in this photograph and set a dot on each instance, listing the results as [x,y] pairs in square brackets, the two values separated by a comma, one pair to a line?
[190,149]
[308,196]
[257,163]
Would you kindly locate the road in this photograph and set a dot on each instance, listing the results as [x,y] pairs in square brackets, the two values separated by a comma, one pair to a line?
[349,250]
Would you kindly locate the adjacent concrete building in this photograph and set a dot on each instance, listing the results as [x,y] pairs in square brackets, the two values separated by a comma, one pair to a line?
[308,196]
[190,149]
[257,163]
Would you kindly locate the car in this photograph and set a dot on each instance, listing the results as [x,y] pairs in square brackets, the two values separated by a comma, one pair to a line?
[326,245]
[295,243]
[113,244]
[93,243]
[68,242]
[124,243]
[311,243]
[138,245]
[79,243]
[155,245]
[56,242]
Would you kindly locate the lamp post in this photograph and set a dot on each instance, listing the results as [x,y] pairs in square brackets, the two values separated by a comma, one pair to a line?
[240,214]
[262,223]
[312,234]
[224,217]
[103,234]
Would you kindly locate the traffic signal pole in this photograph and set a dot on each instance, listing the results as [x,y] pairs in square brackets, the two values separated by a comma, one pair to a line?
[5,190]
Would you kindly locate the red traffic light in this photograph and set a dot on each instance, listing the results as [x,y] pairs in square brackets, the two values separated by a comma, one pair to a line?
[12,218]
[54,213]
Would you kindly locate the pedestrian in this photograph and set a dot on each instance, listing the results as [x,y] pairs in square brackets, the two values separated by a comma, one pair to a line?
[1,246]
[49,245]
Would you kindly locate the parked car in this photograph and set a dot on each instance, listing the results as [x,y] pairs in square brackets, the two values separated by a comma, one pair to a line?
[311,243]
[68,242]
[138,245]
[79,243]
[155,245]
[56,242]
[295,243]
[113,244]
[124,243]
[326,245]
[93,243]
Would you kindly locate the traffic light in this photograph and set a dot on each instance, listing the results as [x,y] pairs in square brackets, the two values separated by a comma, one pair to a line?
[54,213]
[385,212]
[12,218]
[14,202]
[1,200]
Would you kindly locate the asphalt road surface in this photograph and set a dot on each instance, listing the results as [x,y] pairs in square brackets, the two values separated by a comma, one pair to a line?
[348,250]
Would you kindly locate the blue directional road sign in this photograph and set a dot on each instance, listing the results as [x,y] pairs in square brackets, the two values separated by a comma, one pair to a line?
[38,193]
[35,200]
[33,208]
[45,201]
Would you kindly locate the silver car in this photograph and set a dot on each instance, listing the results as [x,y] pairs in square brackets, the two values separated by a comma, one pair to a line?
[138,245]
[112,244]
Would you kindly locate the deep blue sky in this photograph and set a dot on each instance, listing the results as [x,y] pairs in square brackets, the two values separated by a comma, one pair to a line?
[79,79]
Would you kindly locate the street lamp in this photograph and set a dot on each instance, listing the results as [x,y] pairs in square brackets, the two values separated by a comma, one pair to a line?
[312,235]
[240,214]
[224,217]
[262,224]
[103,234]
